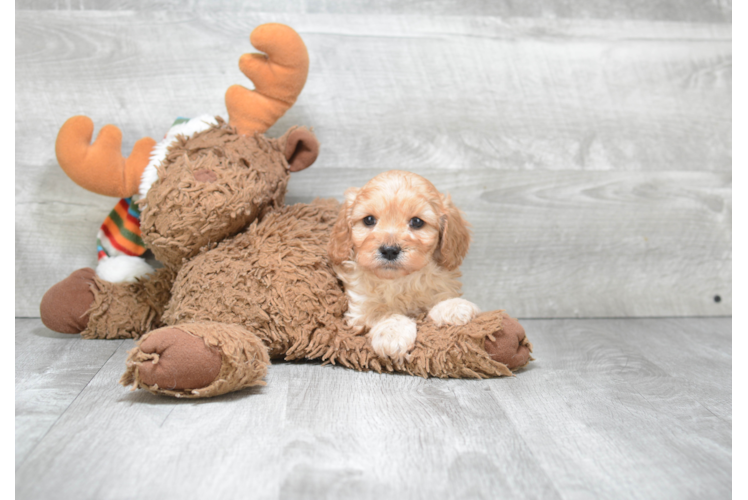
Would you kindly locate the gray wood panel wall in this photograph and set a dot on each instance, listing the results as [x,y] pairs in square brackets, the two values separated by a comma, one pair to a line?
[589,147]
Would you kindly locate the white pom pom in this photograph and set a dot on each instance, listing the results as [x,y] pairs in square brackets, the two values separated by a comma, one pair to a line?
[122,268]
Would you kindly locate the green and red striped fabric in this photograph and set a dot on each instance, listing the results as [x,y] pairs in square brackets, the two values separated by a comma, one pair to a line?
[120,232]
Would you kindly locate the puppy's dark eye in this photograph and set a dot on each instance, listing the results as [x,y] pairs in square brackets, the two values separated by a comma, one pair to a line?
[416,223]
[369,220]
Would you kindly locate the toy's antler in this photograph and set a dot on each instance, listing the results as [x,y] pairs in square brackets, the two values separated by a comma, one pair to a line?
[278,76]
[100,167]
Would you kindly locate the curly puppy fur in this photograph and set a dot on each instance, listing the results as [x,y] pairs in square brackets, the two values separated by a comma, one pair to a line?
[397,245]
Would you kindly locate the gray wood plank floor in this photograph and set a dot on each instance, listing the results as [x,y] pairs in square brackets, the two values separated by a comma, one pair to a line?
[629,408]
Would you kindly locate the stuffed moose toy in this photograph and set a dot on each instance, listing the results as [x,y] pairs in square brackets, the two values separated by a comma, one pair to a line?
[245,278]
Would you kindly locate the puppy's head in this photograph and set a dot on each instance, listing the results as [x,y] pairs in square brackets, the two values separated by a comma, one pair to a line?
[396,224]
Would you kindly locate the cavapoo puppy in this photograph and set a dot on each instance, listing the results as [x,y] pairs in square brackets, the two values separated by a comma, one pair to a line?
[397,245]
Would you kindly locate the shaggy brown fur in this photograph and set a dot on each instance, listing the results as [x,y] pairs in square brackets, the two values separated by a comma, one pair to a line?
[128,310]
[251,278]
[181,214]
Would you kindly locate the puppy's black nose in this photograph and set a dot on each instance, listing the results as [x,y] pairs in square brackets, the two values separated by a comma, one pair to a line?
[389,253]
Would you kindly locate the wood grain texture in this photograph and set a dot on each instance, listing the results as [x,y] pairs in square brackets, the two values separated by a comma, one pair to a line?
[736,196]
[739,385]
[588,244]
[628,408]
[51,371]
[592,156]
[716,11]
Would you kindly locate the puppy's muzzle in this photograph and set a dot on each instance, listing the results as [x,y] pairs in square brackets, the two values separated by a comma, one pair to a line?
[389,252]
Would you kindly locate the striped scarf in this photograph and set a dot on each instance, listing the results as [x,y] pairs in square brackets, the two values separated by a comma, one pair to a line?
[120,232]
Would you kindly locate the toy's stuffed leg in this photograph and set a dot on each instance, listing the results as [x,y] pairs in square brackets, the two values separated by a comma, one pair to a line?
[509,345]
[204,359]
[97,309]
[491,345]
[195,360]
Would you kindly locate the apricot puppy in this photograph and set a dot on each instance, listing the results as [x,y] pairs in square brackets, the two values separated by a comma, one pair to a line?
[397,245]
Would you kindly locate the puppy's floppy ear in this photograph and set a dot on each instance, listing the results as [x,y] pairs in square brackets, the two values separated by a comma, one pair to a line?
[454,239]
[341,239]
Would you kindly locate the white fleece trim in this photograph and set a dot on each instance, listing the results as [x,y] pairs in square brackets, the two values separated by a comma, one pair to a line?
[187,129]
[122,268]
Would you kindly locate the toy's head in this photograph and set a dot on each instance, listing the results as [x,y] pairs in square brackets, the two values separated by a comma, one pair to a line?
[199,189]
[213,184]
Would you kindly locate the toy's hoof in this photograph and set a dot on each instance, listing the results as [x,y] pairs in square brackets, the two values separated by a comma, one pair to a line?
[183,360]
[65,306]
[510,346]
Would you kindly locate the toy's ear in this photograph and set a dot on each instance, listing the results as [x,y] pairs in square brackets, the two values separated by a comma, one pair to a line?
[341,239]
[301,148]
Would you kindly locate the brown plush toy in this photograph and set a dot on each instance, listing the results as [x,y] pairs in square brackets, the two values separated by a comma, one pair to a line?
[245,278]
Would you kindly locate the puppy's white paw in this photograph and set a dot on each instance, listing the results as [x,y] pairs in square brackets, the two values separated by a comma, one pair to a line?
[393,337]
[453,312]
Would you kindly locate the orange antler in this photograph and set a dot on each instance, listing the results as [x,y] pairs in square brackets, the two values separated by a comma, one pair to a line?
[100,167]
[278,76]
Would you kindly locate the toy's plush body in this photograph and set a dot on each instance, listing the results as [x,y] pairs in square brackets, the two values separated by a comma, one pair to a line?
[245,278]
